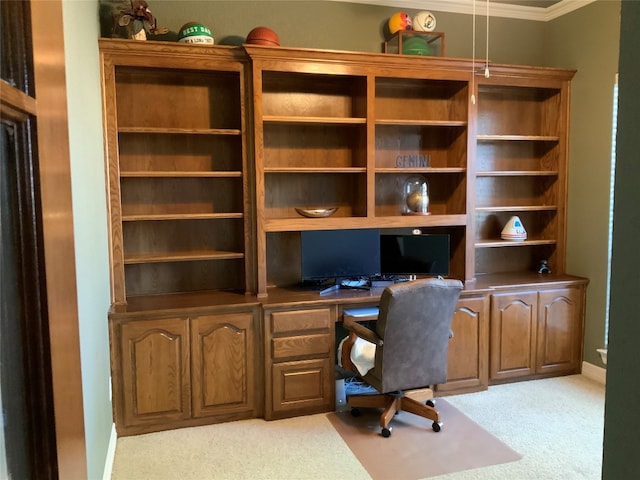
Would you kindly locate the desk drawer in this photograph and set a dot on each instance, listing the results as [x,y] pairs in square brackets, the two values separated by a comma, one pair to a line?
[302,345]
[296,320]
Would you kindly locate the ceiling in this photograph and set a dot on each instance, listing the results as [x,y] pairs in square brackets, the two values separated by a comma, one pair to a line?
[540,10]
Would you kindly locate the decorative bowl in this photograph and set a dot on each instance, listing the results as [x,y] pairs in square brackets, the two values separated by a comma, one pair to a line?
[316,212]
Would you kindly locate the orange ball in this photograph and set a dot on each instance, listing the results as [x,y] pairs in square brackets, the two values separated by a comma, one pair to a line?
[263,36]
[400,21]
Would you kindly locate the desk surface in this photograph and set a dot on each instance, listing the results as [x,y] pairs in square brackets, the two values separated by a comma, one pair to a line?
[481,285]
[297,296]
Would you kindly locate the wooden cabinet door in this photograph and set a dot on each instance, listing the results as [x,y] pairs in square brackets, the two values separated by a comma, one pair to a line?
[468,357]
[155,371]
[223,355]
[303,385]
[559,330]
[513,334]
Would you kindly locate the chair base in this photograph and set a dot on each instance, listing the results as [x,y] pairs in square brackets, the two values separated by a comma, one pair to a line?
[410,401]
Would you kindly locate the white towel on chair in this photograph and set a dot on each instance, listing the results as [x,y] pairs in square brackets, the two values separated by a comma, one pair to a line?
[363,354]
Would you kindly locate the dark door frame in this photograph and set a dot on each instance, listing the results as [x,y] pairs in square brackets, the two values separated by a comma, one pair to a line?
[35,106]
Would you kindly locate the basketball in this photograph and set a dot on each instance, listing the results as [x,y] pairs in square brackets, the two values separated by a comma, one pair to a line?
[424,22]
[399,21]
[263,36]
[193,32]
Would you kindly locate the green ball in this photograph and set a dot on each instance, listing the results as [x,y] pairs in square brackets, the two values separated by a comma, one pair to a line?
[193,32]
[415,46]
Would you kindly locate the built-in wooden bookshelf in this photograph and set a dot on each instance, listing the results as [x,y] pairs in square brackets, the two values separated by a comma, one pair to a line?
[329,130]
[520,164]
[211,150]
[177,162]
[346,134]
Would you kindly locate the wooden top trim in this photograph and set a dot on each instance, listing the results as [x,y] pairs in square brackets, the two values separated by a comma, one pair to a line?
[125,52]
[462,65]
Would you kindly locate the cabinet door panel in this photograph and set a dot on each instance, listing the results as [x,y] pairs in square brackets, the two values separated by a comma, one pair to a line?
[559,330]
[513,334]
[304,384]
[223,371]
[155,376]
[467,368]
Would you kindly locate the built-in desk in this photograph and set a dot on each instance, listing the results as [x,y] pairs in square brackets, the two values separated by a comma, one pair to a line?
[506,327]
[299,379]
[192,359]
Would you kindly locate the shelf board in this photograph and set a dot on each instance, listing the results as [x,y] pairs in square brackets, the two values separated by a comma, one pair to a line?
[517,138]
[315,169]
[180,174]
[181,131]
[190,256]
[518,173]
[507,243]
[518,208]
[422,170]
[180,216]
[299,119]
[422,123]
[433,220]
[293,224]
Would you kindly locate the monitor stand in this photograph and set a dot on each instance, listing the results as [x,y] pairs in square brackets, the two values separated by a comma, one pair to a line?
[338,286]
[333,288]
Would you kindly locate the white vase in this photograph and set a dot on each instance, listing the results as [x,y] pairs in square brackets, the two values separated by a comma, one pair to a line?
[514,230]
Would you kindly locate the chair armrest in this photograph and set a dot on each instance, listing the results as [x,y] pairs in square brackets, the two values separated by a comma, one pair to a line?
[362,331]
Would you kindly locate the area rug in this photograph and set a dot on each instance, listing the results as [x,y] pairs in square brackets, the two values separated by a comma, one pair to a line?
[414,451]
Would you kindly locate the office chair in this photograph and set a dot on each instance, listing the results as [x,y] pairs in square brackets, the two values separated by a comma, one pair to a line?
[411,340]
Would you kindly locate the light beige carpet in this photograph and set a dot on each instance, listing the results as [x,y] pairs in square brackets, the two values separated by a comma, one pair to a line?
[556,425]
[414,450]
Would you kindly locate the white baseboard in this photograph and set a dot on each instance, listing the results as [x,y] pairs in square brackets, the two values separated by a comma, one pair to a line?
[111,454]
[594,372]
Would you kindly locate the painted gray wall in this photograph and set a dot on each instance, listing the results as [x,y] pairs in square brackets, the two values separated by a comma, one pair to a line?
[350,26]
[572,45]
[84,103]
[622,422]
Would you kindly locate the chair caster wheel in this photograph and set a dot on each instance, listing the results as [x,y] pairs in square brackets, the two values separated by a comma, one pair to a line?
[355,412]
[386,432]
[436,426]
[430,403]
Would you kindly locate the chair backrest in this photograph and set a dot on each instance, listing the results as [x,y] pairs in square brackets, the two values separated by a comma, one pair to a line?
[415,325]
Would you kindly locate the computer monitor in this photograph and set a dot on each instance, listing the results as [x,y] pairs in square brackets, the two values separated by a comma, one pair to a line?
[340,254]
[414,254]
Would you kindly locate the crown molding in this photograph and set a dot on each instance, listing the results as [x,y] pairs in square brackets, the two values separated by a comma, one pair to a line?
[506,10]
[564,7]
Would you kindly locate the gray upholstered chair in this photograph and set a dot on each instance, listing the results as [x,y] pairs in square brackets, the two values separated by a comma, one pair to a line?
[411,336]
